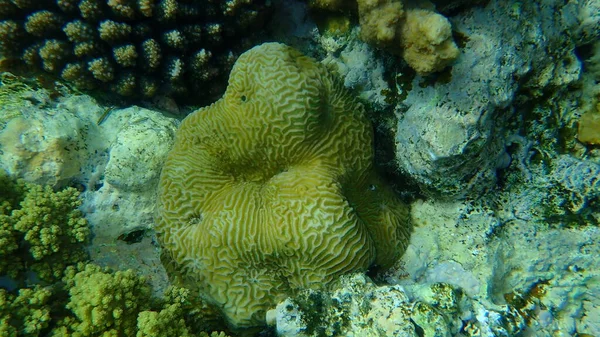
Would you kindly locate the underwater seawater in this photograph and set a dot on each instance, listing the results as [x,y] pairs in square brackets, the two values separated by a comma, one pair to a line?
[299,168]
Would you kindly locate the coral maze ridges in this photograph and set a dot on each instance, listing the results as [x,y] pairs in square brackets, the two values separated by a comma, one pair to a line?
[270,189]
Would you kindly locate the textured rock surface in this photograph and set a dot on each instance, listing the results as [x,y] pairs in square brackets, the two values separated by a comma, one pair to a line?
[113,155]
[357,307]
[272,188]
[117,161]
[496,267]
[356,63]
[448,135]
[46,141]
[546,275]
[525,254]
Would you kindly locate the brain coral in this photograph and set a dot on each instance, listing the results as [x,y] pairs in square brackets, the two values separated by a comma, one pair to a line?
[272,189]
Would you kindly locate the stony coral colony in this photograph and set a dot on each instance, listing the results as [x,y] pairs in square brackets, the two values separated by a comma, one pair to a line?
[49,287]
[133,47]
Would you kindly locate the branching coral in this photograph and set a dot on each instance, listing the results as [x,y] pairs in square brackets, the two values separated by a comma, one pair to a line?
[100,303]
[68,37]
[103,301]
[39,229]
[42,231]
[181,314]
[27,313]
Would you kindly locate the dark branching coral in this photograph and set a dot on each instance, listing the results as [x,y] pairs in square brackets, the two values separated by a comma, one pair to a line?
[133,47]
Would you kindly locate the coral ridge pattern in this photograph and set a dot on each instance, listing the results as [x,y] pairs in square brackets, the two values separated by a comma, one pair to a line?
[272,189]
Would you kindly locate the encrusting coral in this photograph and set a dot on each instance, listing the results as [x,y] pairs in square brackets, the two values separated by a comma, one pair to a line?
[273,189]
[131,46]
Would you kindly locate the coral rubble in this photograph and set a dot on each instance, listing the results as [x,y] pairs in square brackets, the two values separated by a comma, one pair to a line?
[358,307]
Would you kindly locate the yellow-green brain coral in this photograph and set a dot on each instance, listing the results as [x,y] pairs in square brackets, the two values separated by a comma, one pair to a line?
[272,188]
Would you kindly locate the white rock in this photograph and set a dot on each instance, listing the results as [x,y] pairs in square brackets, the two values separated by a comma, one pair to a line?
[449,135]
[114,155]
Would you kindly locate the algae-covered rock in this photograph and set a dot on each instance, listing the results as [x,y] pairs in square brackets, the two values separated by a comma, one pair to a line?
[451,133]
[357,307]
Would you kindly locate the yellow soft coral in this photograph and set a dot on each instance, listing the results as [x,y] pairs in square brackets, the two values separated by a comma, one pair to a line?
[589,127]
[422,36]
[426,39]
[379,20]
[272,188]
